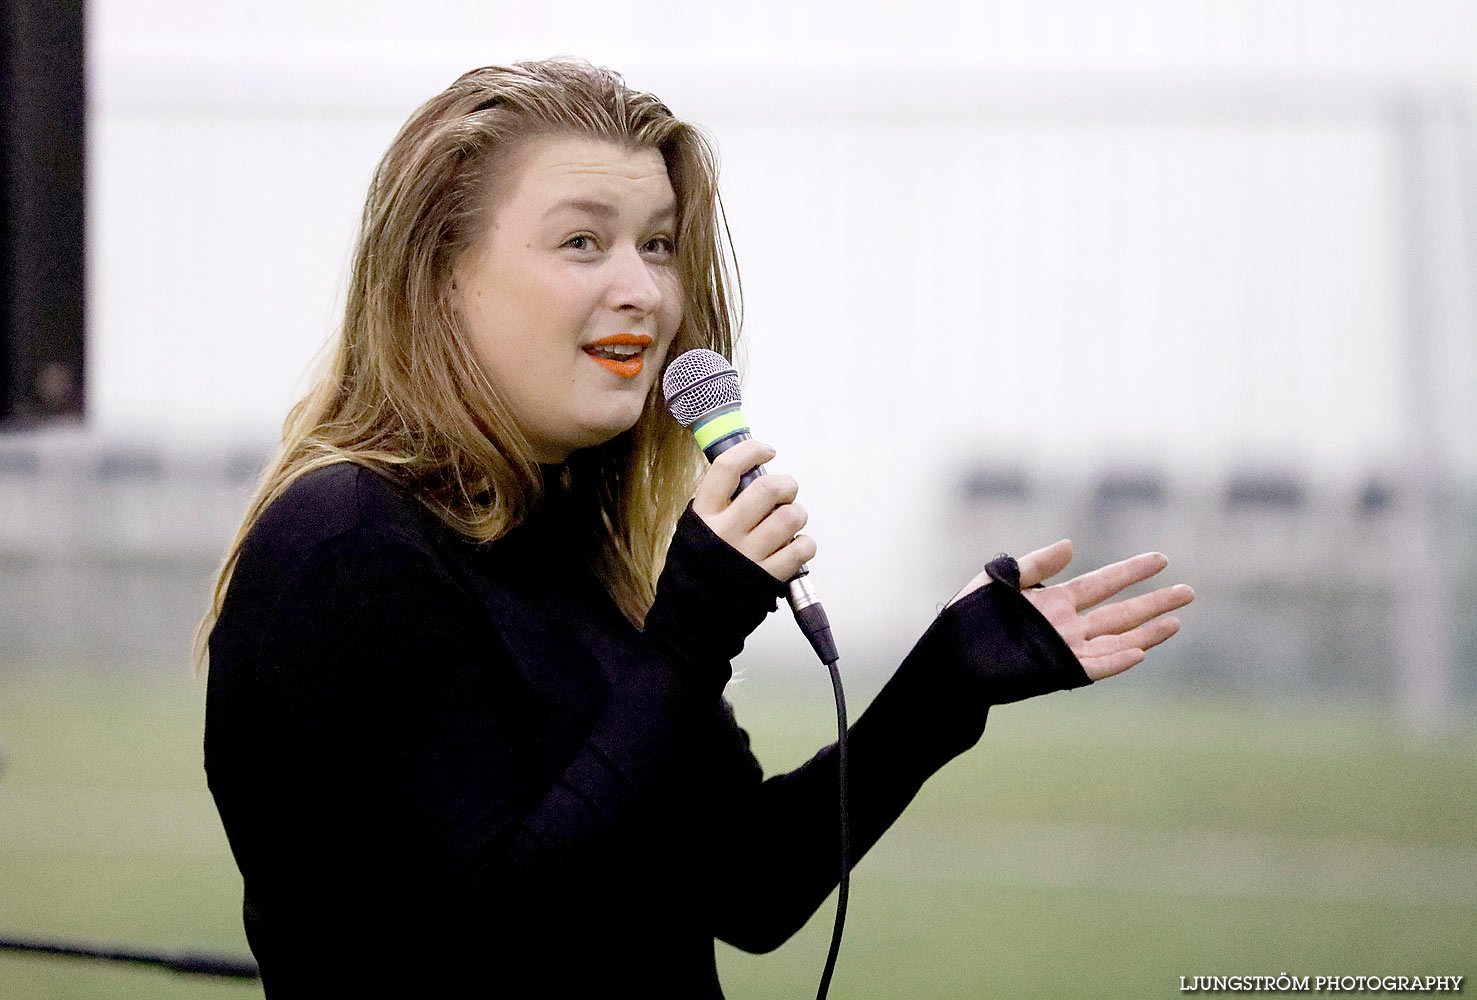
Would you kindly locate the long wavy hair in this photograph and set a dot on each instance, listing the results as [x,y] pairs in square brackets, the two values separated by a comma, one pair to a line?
[401,390]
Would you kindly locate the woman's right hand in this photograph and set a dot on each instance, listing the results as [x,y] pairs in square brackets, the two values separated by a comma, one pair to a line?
[762,521]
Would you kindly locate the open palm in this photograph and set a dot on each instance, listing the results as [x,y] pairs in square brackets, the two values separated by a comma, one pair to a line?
[1106,638]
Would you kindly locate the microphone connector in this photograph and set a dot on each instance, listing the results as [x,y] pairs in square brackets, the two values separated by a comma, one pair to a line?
[811,617]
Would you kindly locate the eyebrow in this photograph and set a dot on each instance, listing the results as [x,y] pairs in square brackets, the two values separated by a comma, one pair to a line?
[605,210]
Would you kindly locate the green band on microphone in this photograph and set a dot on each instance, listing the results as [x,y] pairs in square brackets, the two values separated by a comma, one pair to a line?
[719,427]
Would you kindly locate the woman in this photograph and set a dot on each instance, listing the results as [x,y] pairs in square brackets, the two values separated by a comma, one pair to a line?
[459,727]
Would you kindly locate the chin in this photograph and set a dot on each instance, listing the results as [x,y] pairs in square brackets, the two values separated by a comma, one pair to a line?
[603,432]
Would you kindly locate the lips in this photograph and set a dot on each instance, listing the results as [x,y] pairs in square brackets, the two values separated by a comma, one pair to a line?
[620,354]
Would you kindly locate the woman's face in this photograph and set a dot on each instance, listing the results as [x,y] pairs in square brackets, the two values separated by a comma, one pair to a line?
[572,298]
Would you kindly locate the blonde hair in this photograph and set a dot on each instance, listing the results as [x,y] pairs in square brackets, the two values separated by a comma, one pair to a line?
[401,390]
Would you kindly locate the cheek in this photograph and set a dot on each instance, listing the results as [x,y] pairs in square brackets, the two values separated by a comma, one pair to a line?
[516,322]
[488,329]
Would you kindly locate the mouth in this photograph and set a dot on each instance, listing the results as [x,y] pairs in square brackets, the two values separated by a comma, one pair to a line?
[621,354]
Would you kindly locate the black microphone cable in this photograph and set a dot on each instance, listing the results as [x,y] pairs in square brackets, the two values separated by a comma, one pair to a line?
[845,886]
[702,391]
[194,963]
[811,617]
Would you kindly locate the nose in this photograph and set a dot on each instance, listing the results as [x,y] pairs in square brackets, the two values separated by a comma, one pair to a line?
[633,287]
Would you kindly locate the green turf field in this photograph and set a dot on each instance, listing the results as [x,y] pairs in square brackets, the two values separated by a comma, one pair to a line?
[1098,843]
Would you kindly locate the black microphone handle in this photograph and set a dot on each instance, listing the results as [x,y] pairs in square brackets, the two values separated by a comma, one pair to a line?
[723,444]
[809,614]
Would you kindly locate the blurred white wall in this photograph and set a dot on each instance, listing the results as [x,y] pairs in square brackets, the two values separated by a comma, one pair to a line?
[1066,235]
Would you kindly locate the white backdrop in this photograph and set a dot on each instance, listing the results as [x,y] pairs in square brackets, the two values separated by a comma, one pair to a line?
[1064,235]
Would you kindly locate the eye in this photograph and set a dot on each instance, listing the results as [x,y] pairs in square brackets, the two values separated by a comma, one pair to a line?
[581,241]
[663,247]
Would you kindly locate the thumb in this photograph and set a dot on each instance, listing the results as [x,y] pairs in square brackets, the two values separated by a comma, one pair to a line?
[1043,564]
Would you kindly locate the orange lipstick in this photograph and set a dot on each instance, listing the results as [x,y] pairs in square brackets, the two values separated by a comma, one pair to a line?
[626,363]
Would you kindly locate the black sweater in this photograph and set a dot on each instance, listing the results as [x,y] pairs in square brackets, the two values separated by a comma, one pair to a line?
[440,762]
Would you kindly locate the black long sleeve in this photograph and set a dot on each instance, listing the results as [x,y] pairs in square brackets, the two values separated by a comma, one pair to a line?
[989,648]
[430,755]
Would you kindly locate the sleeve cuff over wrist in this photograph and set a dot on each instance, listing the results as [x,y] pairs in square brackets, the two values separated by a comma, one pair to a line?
[710,596]
[1004,646]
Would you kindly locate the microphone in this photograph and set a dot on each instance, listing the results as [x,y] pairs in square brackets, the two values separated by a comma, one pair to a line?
[702,391]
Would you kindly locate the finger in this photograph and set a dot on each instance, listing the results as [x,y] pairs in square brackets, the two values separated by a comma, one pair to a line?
[785,563]
[1098,667]
[1148,636]
[1143,638]
[759,499]
[722,478]
[1101,584]
[775,531]
[1043,564]
[1121,616]
[1035,567]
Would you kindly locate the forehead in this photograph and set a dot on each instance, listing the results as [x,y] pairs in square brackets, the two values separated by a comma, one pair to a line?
[555,167]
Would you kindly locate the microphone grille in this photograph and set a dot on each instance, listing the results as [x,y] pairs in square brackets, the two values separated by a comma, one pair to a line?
[699,382]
